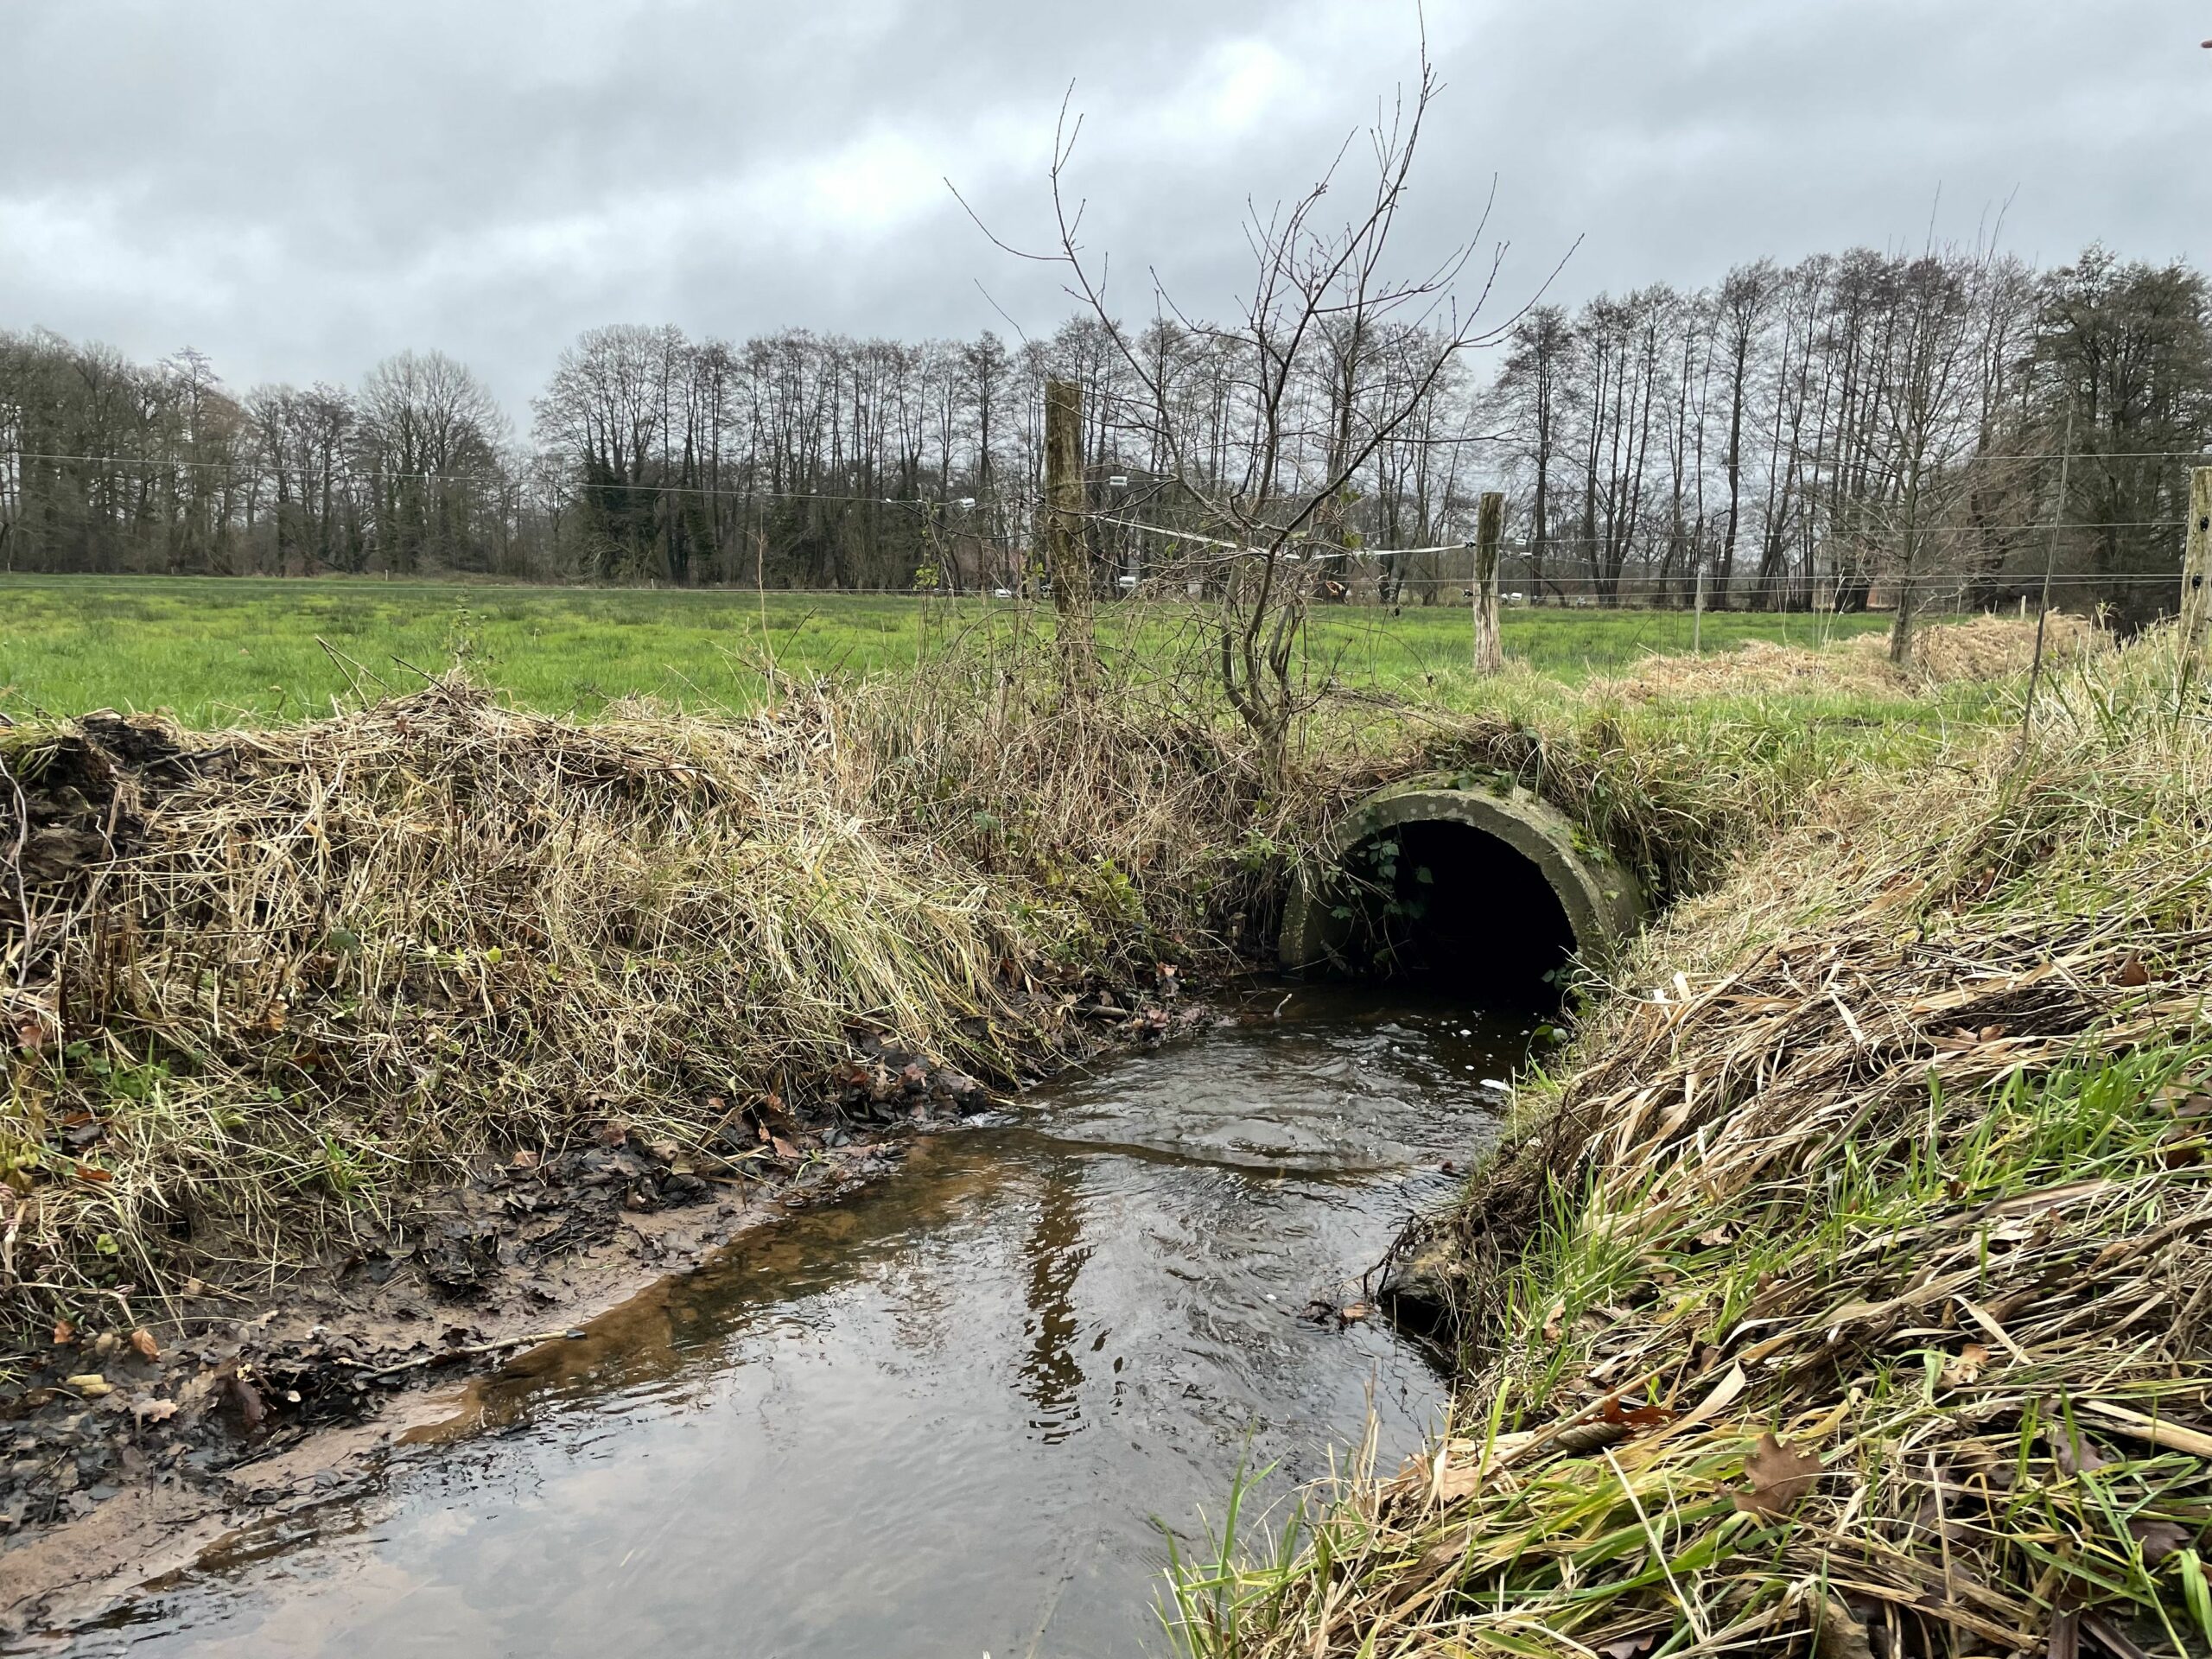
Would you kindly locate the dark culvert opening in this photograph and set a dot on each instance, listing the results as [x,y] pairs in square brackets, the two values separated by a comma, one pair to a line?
[1454,907]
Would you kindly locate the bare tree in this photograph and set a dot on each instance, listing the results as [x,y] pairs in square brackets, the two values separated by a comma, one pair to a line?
[1321,292]
[1745,296]
[1532,382]
[1777,415]
[429,439]
[1931,423]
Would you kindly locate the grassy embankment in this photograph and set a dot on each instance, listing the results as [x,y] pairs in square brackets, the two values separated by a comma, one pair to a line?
[261,989]
[1847,1288]
[214,651]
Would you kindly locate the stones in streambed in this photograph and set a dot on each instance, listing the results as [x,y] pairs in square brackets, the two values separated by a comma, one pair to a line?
[533,1208]
[505,1248]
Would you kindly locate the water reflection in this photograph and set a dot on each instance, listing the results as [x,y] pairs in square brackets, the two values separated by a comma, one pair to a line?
[1052,1377]
[938,1417]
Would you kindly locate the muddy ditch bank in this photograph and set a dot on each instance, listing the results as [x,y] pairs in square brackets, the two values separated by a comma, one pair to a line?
[127,1454]
[252,982]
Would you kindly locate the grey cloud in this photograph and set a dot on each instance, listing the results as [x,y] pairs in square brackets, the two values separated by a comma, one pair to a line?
[298,191]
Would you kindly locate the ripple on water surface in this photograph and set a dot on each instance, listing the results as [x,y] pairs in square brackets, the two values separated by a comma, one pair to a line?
[938,1417]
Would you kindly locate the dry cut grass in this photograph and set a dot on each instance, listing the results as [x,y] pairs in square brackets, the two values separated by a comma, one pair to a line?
[1851,1293]
[1991,648]
[1987,648]
[258,985]
[1762,668]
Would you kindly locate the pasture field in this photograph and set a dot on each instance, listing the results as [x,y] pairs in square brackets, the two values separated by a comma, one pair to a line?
[215,650]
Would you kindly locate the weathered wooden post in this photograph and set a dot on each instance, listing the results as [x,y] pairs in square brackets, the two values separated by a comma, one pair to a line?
[1064,538]
[1697,615]
[2043,604]
[1489,527]
[2196,569]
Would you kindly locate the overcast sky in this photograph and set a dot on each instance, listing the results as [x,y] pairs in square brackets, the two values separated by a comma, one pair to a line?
[300,189]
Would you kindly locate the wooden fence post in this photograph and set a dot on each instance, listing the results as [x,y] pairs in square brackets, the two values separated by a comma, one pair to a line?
[2196,569]
[1064,543]
[1489,527]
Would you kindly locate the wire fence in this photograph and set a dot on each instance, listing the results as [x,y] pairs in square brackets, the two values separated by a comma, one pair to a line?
[986,544]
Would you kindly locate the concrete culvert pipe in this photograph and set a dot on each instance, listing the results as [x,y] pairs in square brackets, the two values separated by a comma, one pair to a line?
[1486,890]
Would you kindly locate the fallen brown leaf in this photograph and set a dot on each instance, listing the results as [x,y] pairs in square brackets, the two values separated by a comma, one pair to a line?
[64,1333]
[1636,1416]
[1580,1440]
[1965,1366]
[1631,1647]
[251,1409]
[142,1340]
[1931,1519]
[2132,972]
[2073,1453]
[2110,1636]
[2184,1099]
[1841,1633]
[1779,1476]
[1459,1480]
[2065,1635]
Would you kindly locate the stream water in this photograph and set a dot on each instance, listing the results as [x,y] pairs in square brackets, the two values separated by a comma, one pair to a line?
[949,1414]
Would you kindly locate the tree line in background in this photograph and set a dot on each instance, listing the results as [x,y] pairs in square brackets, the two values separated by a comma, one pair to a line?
[1853,429]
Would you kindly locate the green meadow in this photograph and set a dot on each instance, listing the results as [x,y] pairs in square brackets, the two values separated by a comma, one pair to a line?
[216,650]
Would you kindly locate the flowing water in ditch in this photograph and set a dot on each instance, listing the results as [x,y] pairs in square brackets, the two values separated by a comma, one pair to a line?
[946,1416]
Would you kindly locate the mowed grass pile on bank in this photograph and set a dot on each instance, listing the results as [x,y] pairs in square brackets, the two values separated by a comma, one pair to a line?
[1850,1290]
[216,650]
[261,984]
